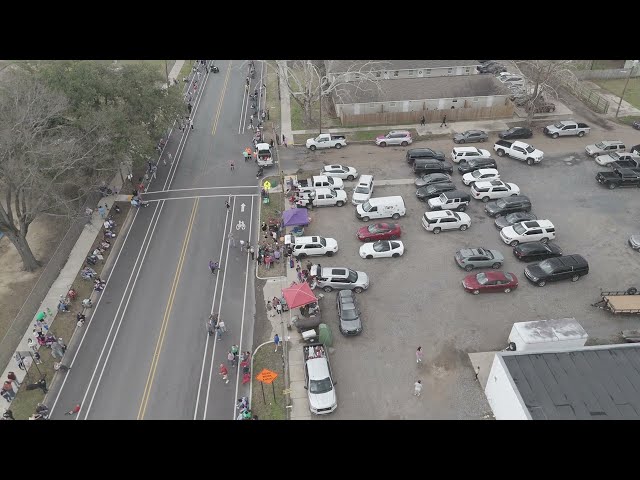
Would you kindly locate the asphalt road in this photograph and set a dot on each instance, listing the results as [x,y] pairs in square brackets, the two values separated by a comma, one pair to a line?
[145,353]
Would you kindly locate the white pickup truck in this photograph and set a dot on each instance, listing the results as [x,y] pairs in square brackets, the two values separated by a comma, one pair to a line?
[322,197]
[319,181]
[518,150]
[567,128]
[318,379]
[326,140]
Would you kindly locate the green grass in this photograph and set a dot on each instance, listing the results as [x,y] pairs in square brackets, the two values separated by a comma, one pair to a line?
[628,120]
[273,100]
[272,409]
[297,116]
[186,69]
[607,64]
[273,209]
[158,64]
[369,135]
[63,326]
[616,86]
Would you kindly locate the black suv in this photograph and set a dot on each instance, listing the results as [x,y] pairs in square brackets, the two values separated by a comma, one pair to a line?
[423,153]
[516,132]
[431,165]
[476,164]
[431,191]
[558,268]
[503,206]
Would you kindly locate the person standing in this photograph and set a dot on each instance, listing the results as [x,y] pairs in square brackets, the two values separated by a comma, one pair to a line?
[417,388]
[423,120]
[284,141]
[419,355]
[276,338]
[279,308]
[241,245]
[252,251]
[222,326]
[232,165]
[230,358]
[245,154]
[228,205]
[189,107]
[102,211]
[12,376]
[224,373]
[444,121]
[74,410]
[191,123]
[232,240]
[269,309]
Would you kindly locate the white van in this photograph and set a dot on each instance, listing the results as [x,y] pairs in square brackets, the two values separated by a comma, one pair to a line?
[363,190]
[382,207]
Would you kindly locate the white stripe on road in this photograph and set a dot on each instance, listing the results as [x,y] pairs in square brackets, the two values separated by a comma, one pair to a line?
[199,188]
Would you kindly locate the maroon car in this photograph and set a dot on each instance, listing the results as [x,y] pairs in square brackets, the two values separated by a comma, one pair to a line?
[490,282]
[379,231]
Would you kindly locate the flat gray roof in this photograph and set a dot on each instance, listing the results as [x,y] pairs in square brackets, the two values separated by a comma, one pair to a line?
[590,384]
[338,66]
[454,86]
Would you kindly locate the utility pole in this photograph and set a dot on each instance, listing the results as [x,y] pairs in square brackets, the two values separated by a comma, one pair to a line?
[633,66]
[166,71]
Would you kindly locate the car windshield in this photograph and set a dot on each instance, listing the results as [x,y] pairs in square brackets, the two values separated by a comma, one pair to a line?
[320,386]
[375,228]
[512,217]
[512,130]
[353,276]
[501,203]
[344,169]
[476,174]
[530,149]
[366,206]
[558,125]
[323,242]
[600,146]
[546,266]
[482,279]
[331,180]
[519,229]
[380,246]
[362,189]
[443,198]
[349,312]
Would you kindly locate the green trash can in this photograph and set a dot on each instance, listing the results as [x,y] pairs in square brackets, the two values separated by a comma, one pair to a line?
[324,335]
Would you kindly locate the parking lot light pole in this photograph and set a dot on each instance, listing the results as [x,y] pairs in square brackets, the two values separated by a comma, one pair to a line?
[633,66]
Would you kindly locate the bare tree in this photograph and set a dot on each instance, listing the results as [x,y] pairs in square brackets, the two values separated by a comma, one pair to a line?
[546,77]
[307,80]
[48,162]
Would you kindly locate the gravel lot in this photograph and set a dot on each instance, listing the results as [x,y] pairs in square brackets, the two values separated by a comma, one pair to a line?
[418,300]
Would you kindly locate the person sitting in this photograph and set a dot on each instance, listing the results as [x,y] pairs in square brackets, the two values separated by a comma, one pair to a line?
[97,252]
[109,234]
[105,244]
[98,286]
[63,306]
[80,318]
[92,259]
[87,303]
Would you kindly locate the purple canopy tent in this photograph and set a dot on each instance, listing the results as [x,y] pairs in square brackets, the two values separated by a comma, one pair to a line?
[295,216]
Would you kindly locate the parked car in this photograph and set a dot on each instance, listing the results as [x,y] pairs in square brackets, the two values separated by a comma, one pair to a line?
[466,153]
[476,164]
[636,124]
[323,197]
[431,165]
[482,175]
[513,218]
[381,207]
[470,136]
[623,177]
[558,268]
[326,140]
[379,231]
[531,231]
[515,133]
[635,149]
[395,137]
[504,206]
[493,190]
[308,246]
[445,220]
[485,282]
[634,242]
[605,146]
[519,151]
[422,153]
[339,171]
[382,249]
[349,321]
[431,178]
[363,190]
[617,157]
[451,200]
[470,258]
[431,191]
[566,128]
[536,251]
[335,278]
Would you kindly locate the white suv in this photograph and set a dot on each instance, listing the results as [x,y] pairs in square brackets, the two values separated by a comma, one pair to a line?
[311,246]
[395,137]
[530,231]
[493,190]
[467,153]
[445,220]
[482,175]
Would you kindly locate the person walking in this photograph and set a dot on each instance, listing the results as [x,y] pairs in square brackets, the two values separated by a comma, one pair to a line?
[252,252]
[222,326]
[191,123]
[213,266]
[74,410]
[245,154]
[423,120]
[284,141]
[12,376]
[270,309]
[276,338]
[228,205]
[444,121]
[241,245]
[224,373]
[230,358]
[218,331]
[419,355]
[232,165]
[417,388]
[232,240]
[102,211]
[189,107]
[279,308]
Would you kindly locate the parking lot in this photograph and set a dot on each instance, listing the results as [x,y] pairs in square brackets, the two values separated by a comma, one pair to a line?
[417,299]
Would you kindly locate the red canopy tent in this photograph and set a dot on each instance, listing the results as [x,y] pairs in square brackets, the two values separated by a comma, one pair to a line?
[298,295]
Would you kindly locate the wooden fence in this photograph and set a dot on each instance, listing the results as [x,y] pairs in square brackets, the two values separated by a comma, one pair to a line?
[431,116]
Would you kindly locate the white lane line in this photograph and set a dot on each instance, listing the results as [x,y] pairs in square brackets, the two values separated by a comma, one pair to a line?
[213,301]
[202,196]
[199,188]
[244,305]
[128,294]
[215,341]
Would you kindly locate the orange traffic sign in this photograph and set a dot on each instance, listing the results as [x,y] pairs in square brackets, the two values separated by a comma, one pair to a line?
[266,376]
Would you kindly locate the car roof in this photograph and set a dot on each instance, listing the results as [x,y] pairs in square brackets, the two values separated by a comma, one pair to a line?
[439,214]
[611,142]
[537,224]
[490,183]
[494,275]
[515,198]
[486,170]
[573,260]
[477,160]
[466,149]
[406,132]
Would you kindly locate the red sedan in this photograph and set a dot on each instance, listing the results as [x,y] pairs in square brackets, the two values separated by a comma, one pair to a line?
[490,282]
[379,231]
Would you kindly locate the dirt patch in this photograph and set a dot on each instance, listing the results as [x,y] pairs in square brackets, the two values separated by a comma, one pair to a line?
[44,236]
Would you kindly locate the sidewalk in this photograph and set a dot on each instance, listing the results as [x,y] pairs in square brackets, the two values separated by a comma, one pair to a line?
[273,288]
[285,109]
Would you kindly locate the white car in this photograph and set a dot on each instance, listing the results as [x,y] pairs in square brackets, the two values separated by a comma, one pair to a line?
[382,249]
[529,231]
[459,154]
[445,220]
[482,175]
[339,171]
[309,246]
[493,190]
[363,190]
[616,157]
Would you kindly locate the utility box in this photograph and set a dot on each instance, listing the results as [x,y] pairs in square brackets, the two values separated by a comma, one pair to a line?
[544,335]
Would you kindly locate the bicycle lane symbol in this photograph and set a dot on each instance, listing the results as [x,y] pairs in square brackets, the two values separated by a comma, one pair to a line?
[241,225]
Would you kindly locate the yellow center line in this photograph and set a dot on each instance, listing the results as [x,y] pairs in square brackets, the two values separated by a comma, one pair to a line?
[167,314]
[224,88]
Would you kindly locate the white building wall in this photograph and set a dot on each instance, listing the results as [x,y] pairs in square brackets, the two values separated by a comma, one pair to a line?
[502,394]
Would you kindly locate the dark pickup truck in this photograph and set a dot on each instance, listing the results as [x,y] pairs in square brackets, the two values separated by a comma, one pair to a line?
[622,164]
[624,177]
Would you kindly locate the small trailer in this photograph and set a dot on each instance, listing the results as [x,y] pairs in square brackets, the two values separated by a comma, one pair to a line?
[624,301]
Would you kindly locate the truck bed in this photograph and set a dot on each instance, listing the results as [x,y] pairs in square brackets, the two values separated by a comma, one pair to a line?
[623,303]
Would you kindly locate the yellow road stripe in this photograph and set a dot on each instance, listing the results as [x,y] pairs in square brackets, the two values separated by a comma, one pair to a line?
[224,89]
[167,314]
